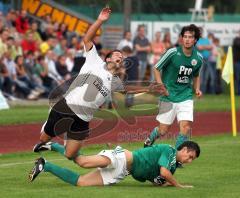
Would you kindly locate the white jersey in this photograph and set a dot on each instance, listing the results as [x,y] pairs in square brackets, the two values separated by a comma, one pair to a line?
[92,86]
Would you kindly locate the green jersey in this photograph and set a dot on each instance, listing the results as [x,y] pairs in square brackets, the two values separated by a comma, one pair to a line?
[178,71]
[147,162]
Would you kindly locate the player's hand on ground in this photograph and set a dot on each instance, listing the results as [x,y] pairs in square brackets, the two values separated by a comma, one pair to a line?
[186,186]
[158,88]
[198,93]
[104,14]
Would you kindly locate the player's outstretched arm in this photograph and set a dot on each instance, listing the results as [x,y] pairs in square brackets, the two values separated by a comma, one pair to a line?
[166,174]
[103,16]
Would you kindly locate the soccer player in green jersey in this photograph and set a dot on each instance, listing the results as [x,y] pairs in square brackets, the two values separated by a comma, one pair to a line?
[156,164]
[178,69]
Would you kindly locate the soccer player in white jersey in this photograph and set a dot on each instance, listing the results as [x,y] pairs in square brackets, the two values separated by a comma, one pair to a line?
[93,85]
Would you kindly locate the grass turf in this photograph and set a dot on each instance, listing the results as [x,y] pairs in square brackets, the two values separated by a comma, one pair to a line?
[214,174]
[145,105]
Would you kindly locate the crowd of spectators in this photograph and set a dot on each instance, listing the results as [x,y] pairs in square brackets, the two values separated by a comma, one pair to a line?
[37,57]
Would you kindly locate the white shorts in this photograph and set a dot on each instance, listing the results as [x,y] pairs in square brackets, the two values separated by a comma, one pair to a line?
[169,110]
[117,170]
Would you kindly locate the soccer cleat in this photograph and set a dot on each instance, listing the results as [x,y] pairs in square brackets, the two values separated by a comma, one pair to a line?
[38,168]
[147,143]
[43,146]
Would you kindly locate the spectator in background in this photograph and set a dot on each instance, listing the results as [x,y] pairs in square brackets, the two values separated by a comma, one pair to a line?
[179,41]
[47,32]
[2,25]
[8,21]
[12,73]
[62,31]
[236,60]
[70,54]
[219,65]
[50,61]
[22,23]
[75,42]
[142,47]
[6,81]
[61,47]
[3,39]
[24,78]
[167,40]
[29,44]
[131,66]
[13,48]
[62,67]
[50,43]
[212,63]
[41,70]
[126,41]
[34,30]
[158,48]
[205,47]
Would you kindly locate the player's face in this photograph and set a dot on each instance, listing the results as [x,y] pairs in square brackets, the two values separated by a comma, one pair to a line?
[187,156]
[117,58]
[188,39]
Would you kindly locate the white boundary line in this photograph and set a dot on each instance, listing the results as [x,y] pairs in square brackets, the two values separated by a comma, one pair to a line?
[22,163]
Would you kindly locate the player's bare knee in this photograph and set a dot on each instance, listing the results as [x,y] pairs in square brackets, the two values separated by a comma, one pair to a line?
[70,155]
[82,162]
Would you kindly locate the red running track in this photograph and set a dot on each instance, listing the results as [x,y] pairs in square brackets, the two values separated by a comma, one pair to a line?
[18,138]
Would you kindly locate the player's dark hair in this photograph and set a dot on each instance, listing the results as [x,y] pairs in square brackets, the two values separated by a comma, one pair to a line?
[191,146]
[192,28]
[109,55]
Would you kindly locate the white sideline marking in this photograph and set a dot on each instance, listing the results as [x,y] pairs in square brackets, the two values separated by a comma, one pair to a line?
[22,163]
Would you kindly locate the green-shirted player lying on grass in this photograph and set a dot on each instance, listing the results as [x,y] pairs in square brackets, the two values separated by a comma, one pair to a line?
[156,164]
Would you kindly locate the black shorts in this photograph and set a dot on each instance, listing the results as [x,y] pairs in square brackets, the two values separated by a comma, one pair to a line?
[62,119]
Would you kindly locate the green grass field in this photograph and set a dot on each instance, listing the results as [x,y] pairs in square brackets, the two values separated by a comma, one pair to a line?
[215,174]
[145,105]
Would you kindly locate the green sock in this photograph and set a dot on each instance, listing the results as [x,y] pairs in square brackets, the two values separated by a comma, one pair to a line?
[62,173]
[58,148]
[61,149]
[180,139]
[154,135]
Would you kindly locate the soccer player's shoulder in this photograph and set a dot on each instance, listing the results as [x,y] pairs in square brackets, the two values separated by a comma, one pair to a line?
[200,57]
[172,51]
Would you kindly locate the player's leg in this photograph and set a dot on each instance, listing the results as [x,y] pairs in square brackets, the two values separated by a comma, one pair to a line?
[66,175]
[156,133]
[93,161]
[72,148]
[53,126]
[166,116]
[93,178]
[45,137]
[185,119]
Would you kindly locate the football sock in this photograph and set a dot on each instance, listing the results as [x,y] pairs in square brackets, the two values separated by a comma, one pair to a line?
[154,135]
[62,173]
[58,148]
[180,139]
[61,149]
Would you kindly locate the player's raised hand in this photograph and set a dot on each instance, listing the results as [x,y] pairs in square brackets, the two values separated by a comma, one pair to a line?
[104,14]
